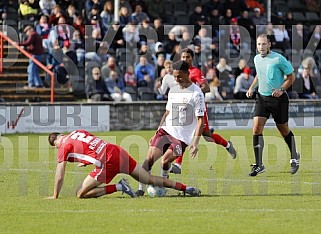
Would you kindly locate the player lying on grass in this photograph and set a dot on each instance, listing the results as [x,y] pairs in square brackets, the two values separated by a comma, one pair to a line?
[182,124]
[85,148]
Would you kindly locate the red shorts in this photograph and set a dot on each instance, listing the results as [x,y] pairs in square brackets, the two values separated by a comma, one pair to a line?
[116,161]
[164,141]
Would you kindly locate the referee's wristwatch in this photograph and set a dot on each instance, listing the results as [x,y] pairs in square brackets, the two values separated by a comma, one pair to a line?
[282,89]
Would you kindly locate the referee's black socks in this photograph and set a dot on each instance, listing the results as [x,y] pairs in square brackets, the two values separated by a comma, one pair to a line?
[258,144]
[290,141]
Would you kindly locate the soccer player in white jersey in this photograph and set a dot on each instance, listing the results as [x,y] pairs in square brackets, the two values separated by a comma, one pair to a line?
[182,124]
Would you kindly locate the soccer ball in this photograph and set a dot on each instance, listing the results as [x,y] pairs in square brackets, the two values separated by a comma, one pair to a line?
[156,191]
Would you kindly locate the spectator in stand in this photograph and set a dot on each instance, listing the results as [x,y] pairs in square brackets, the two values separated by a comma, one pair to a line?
[282,39]
[130,77]
[305,86]
[156,9]
[159,28]
[145,73]
[259,20]
[125,3]
[243,83]
[116,87]
[65,3]
[77,44]
[96,89]
[56,13]
[28,9]
[214,21]
[246,22]
[159,50]
[79,25]
[142,3]
[147,33]
[93,44]
[123,16]
[159,65]
[46,6]
[115,32]
[235,36]
[278,19]
[145,51]
[236,6]
[240,67]
[226,18]
[107,15]
[71,14]
[3,10]
[131,36]
[205,40]
[43,29]
[227,81]
[198,18]
[95,11]
[299,35]
[170,44]
[289,22]
[34,46]
[310,63]
[89,4]
[252,4]
[214,84]
[138,15]
[199,56]
[211,5]
[110,66]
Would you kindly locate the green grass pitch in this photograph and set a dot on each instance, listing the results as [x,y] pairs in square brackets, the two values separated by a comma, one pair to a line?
[231,201]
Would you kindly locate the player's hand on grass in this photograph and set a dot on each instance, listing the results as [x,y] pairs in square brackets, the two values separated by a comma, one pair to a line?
[81,165]
[193,149]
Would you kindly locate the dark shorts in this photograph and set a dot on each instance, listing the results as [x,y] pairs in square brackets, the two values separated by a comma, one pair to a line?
[277,106]
[164,141]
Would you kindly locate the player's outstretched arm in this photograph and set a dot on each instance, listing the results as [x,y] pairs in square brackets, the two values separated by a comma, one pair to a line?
[198,133]
[59,179]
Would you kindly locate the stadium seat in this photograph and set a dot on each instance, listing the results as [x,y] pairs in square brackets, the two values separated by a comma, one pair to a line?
[312,18]
[298,17]
[133,92]
[295,5]
[145,94]
[180,7]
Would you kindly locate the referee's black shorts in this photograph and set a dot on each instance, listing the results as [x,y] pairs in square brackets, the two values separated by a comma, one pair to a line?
[277,106]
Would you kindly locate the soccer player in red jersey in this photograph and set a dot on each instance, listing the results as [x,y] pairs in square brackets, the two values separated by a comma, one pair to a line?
[85,148]
[197,77]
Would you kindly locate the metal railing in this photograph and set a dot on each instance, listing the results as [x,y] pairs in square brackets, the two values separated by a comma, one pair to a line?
[43,67]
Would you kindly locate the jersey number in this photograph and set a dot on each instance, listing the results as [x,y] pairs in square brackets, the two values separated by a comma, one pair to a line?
[81,137]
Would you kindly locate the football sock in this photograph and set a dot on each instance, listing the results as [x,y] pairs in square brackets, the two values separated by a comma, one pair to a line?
[219,140]
[258,144]
[111,188]
[142,186]
[119,187]
[179,186]
[290,141]
[179,160]
[164,173]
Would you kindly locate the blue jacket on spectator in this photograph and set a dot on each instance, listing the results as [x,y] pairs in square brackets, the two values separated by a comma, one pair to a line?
[142,70]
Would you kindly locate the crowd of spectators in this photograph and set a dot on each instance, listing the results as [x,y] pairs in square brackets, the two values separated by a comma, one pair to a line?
[132,52]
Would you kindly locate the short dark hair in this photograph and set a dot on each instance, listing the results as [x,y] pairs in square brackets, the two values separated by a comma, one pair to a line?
[181,65]
[268,37]
[52,137]
[189,51]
